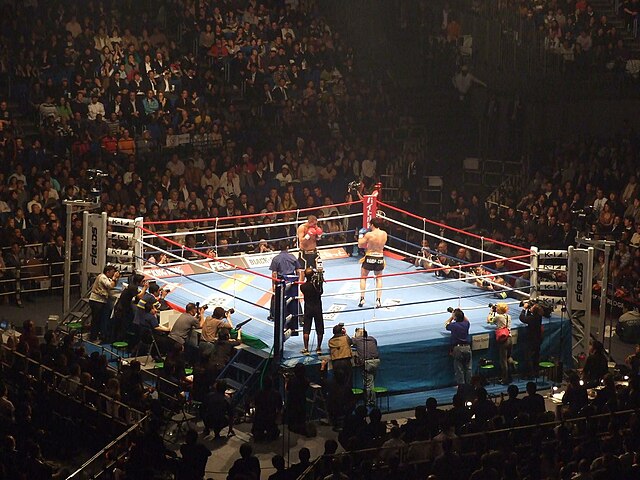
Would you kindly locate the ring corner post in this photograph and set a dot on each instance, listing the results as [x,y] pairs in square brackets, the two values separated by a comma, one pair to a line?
[535,286]
[278,322]
[137,245]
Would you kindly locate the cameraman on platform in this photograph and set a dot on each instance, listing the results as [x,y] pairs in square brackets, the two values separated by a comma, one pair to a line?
[312,291]
[531,315]
[183,330]
[460,345]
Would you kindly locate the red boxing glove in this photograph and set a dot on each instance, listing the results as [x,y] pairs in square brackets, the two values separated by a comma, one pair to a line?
[311,231]
[319,232]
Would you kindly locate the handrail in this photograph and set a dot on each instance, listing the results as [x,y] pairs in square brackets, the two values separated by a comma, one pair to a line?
[11,352]
[104,450]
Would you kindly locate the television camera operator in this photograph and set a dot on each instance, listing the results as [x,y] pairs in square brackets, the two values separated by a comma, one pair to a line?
[312,291]
[531,315]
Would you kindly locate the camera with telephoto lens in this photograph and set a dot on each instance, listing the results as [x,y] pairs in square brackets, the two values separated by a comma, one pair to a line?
[231,311]
[204,307]
[493,307]
[450,309]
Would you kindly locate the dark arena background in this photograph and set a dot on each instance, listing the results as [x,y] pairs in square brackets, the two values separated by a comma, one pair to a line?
[312,239]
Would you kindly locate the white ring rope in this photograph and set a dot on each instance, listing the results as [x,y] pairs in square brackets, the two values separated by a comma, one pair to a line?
[415,315]
[165,282]
[454,242]
[192,262]
[439,282]
[185,233]
[461,272]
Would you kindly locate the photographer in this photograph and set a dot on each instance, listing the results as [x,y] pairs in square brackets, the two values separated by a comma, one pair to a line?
[123,311]
[312,292]
[99,302]
[502,320]
[369,358]
[460,345]
[183,330]
[340,352]
[531,315]
[221,318]
[424,257]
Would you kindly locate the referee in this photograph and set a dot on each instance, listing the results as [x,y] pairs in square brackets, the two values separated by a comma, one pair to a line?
[285,266]
[312,292]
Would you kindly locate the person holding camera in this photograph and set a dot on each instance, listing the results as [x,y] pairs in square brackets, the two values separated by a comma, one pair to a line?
[340,352]
[220,318]
[368,358]
[99,299]
[424,257]
[183,330]
[500,317]
[312,292]
[458,324]
[531,315]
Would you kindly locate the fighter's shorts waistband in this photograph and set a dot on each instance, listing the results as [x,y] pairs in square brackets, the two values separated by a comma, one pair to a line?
[309,251]
[374,254]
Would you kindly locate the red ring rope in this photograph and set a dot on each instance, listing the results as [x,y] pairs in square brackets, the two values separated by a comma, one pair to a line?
[172,242]
[457,230]
[430,270]
[251,215]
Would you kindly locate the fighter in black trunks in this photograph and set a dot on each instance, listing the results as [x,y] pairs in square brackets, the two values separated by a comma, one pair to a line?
[373,242]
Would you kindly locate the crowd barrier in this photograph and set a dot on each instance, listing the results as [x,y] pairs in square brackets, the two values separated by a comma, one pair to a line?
[35,274]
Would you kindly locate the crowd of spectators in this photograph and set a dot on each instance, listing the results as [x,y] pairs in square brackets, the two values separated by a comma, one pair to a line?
[583,37]
[585,187]
[232,109]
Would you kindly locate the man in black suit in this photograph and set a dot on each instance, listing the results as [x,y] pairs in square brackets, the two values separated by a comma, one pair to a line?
[54,256]
[133,111]
[280,93]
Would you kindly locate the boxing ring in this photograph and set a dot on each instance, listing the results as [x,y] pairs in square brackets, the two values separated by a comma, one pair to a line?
[206,261]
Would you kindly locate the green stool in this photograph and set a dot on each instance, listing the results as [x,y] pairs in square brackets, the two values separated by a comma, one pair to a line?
[358,393]
[158,365]
[545,368]
[488,370]
[381,392]
[188,371]
[120,348]
[74,327]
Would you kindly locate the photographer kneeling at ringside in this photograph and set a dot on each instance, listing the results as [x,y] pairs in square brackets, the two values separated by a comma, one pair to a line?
[184,332]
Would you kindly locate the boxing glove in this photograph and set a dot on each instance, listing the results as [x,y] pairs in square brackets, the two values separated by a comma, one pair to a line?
[310,232]
[362,232]
[319,232]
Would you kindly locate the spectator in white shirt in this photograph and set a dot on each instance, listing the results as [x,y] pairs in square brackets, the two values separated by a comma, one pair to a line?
[284,176]
[176,166]
[209,179]
[231,182]
[463,80]
[598,203]
[95,108]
